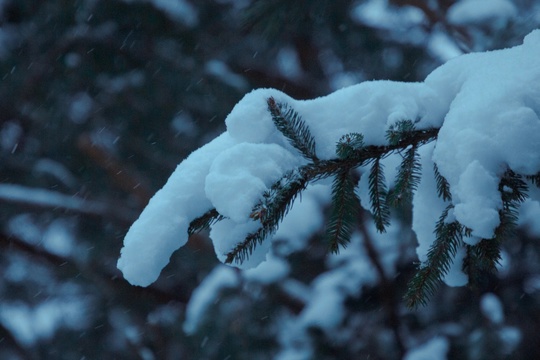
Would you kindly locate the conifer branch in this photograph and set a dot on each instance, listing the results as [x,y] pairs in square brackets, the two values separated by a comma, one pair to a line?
[407,179]
[291,125]
[344,213]
[270,211]
[401,132]
[351,153]
[378,194]
[349,145]
[440,256]
[443,188]
[204,222]
[486,255]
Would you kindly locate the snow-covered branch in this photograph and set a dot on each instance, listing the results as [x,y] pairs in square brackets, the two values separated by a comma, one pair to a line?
[456,135]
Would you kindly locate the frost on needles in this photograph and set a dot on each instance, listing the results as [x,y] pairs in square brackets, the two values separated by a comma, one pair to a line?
[467,140]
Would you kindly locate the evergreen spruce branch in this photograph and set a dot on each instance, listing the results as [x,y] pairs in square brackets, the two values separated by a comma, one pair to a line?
[204,222]
[443,188]
[449,238]
[416,138]
[291,125]
[344,213]
[349,145]
[270,211]
[378,194]
[512,188]
[309,173]
[470,266]
[407,179]
[484,257]
[400,132]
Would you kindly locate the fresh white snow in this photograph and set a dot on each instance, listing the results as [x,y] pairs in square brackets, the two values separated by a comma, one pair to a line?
[495,12]
[434,349]
[487,108]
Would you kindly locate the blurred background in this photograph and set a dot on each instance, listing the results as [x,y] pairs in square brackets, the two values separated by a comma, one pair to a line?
[101,99]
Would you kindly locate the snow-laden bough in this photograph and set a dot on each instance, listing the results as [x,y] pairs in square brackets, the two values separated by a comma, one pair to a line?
[485,106]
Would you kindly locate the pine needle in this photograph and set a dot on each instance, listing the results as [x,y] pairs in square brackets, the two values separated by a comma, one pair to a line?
[349,145]
[407,179]
[378,195]
[440,256]
[400,132]
[484,257]
[204,222]
[443,188]
[270,211]
[344,213]
[291,125]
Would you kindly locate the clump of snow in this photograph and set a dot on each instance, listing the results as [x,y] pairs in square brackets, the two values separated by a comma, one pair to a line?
[234,190]
[58,238]
[378,14]
[487,108]
[222,277]
[270,271]
[162,226]
[178,10]
[496,13]
[491,308]
[443,47]
[510,337]
[491,122]
[434,349]
[221,71]
[288,63]
[31,324]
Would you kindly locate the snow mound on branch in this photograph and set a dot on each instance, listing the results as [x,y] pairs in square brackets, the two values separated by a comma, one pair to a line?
[487,106]
[496,12]
[234,190]
[492,123]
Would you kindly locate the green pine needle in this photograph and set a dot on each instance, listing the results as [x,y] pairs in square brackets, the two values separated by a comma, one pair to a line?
[407,179]
[291,125]
[484,257]
[443,188]
[344,213]
[270,211]
[378,194]
[400,132]
[349,145]
[440,256]
[204,222]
